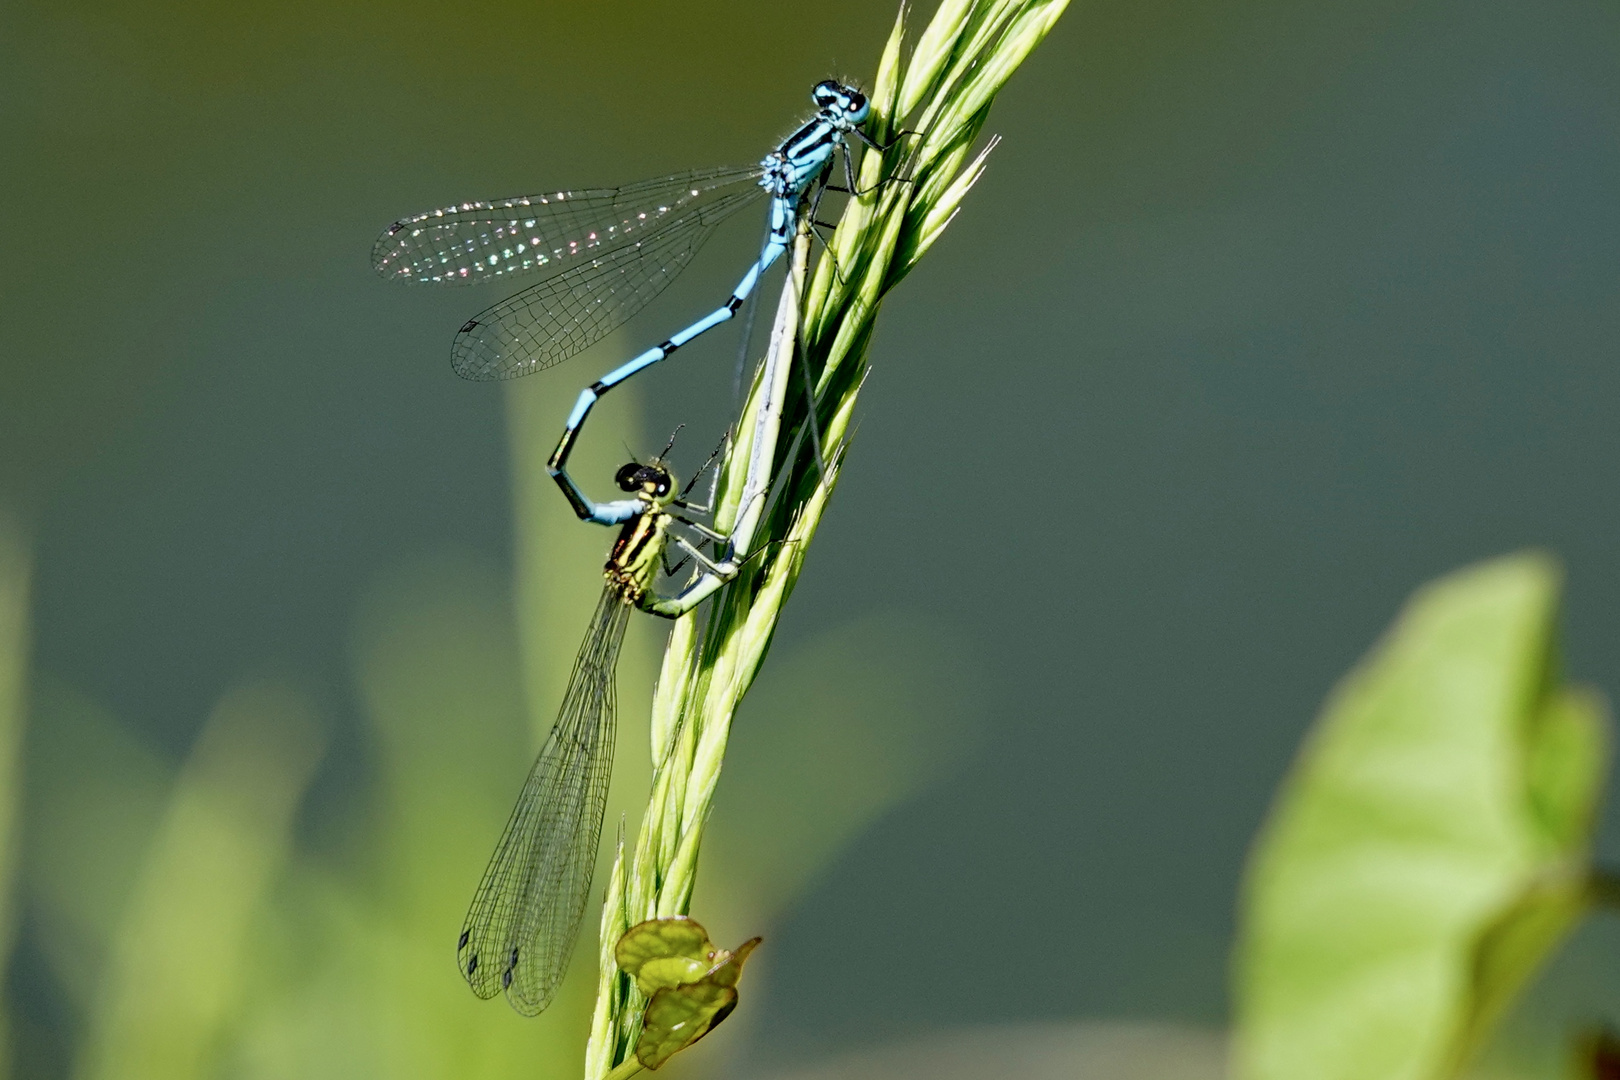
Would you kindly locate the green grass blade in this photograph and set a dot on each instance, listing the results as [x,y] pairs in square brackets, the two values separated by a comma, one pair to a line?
[15,578]
[178,970]
[944,90]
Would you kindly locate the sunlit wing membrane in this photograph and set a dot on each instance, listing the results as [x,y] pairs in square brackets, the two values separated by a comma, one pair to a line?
[553,319]
[545,234]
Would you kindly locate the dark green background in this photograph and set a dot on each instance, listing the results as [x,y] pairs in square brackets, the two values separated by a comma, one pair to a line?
[1264,313]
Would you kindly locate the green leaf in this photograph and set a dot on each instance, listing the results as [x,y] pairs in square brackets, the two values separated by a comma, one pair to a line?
[691,985]
[1564,789]
[665,952]
[1429,848]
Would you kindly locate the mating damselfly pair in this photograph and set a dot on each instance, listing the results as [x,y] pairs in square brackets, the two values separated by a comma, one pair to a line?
[601,255]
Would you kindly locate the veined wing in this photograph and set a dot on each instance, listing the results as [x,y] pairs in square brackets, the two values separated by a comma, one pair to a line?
[520,931]
[555,318]
[484,241]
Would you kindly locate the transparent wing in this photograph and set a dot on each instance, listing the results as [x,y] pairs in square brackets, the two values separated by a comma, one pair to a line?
[484,241]
[553,319]
[520,931]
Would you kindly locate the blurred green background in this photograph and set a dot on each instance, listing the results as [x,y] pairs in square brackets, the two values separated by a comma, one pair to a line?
[1265,312]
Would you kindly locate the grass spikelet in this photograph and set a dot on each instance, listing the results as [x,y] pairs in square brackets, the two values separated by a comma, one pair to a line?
[943,91]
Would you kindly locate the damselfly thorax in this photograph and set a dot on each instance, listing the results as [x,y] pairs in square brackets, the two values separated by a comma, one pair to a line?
[638,551]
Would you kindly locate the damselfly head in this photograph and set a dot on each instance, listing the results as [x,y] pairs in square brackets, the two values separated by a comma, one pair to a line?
[842,104]
[652,480]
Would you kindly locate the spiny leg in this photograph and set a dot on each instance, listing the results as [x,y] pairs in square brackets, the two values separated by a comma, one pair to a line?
[692,483]
[702,529]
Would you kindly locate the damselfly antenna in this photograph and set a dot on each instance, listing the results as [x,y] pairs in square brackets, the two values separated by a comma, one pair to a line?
[671,444]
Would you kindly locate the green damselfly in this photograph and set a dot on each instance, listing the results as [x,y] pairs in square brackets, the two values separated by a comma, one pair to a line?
[526,912]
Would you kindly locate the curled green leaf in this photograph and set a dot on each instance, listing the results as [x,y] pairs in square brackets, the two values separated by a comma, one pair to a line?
[665,952]
[690,984]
